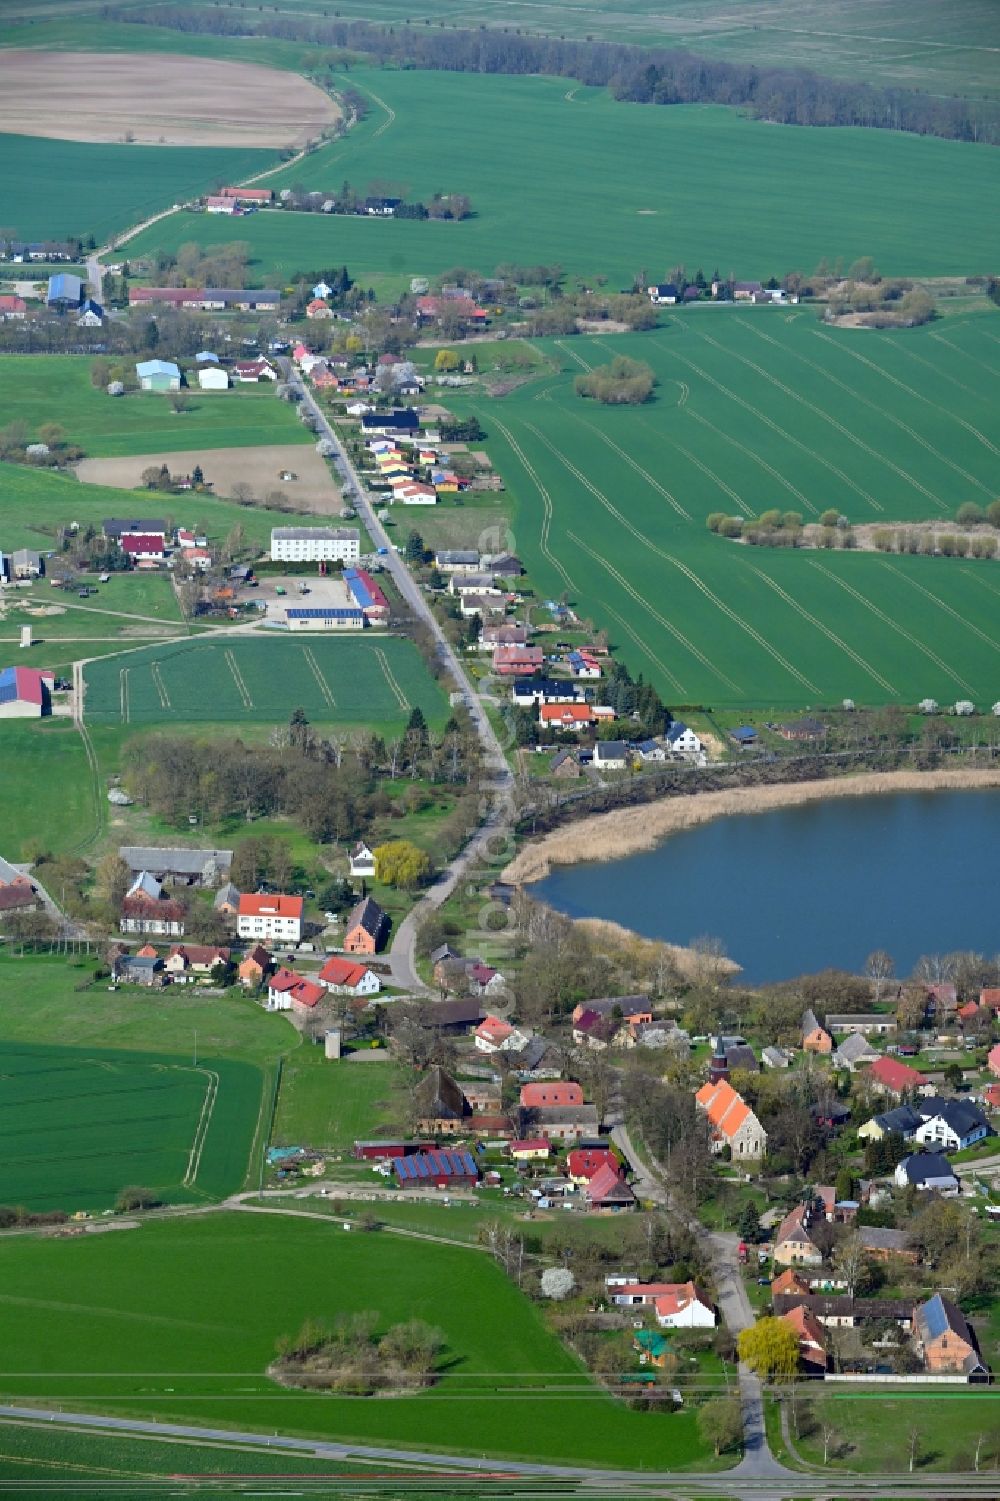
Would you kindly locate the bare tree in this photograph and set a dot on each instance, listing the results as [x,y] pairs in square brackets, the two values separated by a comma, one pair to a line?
[829,1435]
[914,1447]
[880,969]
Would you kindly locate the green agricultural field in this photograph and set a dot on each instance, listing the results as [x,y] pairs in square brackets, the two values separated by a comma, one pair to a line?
[362,681]
[76,1126]
[97,190]
[758,409]
[36,389]
[179,1319]
[36,504]
[691,184]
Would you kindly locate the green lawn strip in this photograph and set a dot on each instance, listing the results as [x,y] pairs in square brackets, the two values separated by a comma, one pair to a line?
[328,1105]
[36,389]
[43,759]
[873,1428]
[40,1453]
[837,192]
[198,1303]
[35,504]
[372,680]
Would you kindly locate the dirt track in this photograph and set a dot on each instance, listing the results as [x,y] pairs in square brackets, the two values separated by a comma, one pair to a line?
[312,490]
[157,100]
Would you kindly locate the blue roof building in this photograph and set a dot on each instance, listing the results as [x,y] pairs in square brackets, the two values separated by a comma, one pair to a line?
[158,375]
[320,618]
[64,290]
[744,734]
[439,1169]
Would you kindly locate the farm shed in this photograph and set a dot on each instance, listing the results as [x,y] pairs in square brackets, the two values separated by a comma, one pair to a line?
[436,1170]
[158,375]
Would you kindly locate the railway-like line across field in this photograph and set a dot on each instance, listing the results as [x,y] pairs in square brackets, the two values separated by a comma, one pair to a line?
[838,641]
[942,605]
[547,510]
[314,668]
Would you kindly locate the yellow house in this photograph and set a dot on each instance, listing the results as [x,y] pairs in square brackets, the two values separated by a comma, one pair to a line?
[536,1149]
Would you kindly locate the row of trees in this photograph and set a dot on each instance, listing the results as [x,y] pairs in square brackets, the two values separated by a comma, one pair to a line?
[644,75]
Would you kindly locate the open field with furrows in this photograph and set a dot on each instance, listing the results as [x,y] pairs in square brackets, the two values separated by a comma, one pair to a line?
[199,1303]
[752,410]
[77,1126]
[147,99]
[360,681]
[36,504]
[36,389]
[262,468]
[691,184]
[100,190]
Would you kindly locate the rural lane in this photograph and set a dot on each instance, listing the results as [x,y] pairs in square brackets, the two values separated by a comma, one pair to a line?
[499,778]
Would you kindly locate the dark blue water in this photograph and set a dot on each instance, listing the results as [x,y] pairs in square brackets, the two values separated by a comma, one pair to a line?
[799,889]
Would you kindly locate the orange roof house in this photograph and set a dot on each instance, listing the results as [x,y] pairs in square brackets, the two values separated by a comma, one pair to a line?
[733,1123]
[565,716]
[254,966]
[789,1282]
[538,1096]
[993,1060]
[812,1340]
[815,1039]
[492,1033]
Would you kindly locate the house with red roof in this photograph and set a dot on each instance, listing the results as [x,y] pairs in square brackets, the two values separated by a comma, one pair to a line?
[583,1162]
[269,918]
[517,661]
[794,1244]
[565,716]
[812,1340]
[318,308]
[287,991]
[348,977]
[492,1033]
[788,1283]
[991,1094]
[891,1077]
[733,1123]
[607,1190]
[968,1012]
[12,307]
[188,962]
[530,1149]
[683,1306]
[555,1094]
[143,549]
[993,1060]
[25,692]
[990,998]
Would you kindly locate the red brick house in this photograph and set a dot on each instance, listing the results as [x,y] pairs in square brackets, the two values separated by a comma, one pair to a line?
[366,928]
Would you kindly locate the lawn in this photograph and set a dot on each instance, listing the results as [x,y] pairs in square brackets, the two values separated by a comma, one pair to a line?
[757,409]
[43,762]
[329,1105]
[77,1125]
[198,1303]
[98,190]
[35,504]
[699,185]
[873,1429]
[36,389]
[362,681]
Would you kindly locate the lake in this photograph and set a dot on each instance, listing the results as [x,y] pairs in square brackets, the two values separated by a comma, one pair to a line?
[802,888]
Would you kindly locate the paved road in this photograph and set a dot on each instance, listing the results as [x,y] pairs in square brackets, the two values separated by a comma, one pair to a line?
[499,778]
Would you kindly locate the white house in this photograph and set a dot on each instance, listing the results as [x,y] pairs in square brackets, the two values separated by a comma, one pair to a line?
[349,977]
[925,1171]
[611,755]
[362,860]
[158,375]
[212,378]
[270,918]
[950,1125]
[684,742]
[315,544]
[684,1307]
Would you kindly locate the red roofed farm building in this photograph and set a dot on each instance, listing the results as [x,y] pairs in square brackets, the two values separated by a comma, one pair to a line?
[733,1123]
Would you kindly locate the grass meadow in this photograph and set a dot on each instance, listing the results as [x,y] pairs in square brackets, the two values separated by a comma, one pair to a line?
[754,410]
[651,187]
[362,681]
[99,190]
[42,758]
[36,504]
[329,1106]
[36,389]
[197,1305]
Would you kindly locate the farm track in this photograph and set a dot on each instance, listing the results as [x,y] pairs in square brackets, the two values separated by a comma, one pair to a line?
[123,681]
[683,568]
[831,635]
[634,465]
[903,427]
[894,626]
[159,685]
[866,448]
[241,686]
[965,354]
[547,511]
[944,374]
[100,807]
[748,453]
[202,1128]
[314,668]
[389,676]
[912,392]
